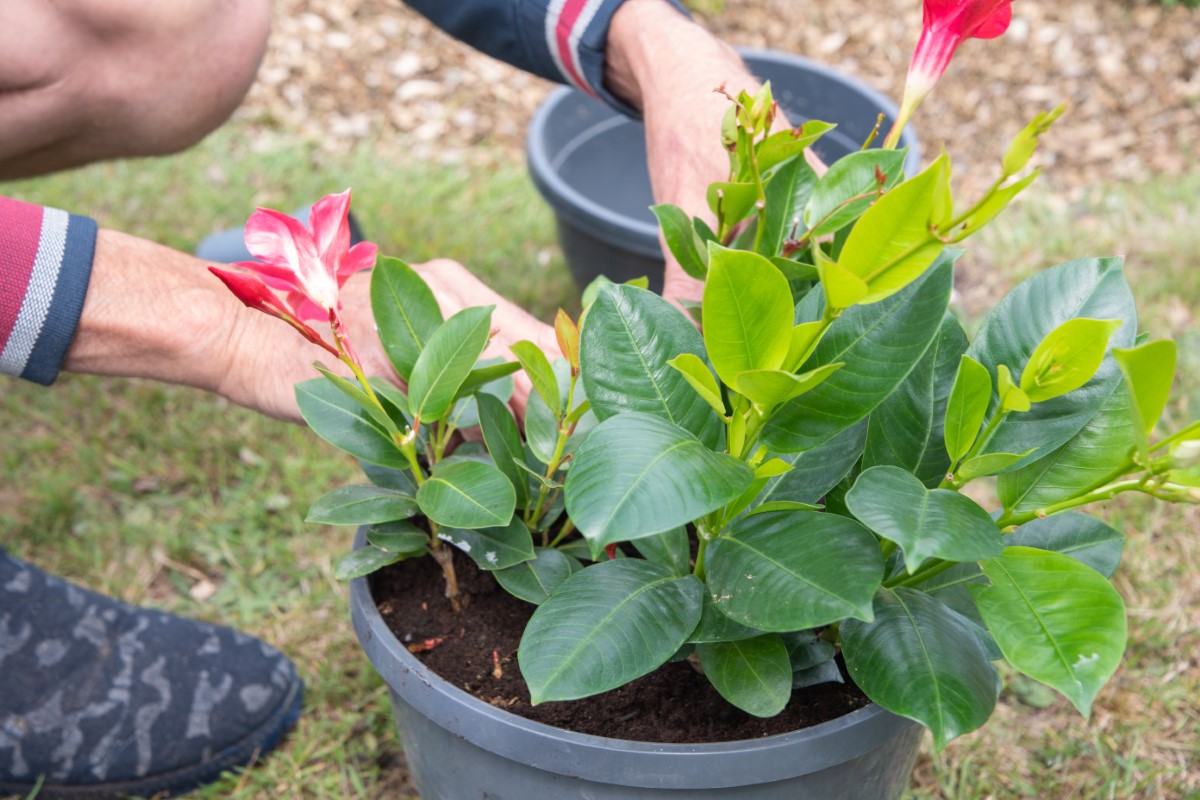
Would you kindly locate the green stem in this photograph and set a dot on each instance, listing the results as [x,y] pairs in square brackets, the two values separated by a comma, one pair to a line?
[1103,493]
[563,533]
[1179,435]
[950,482]
[921,575]
[564,433]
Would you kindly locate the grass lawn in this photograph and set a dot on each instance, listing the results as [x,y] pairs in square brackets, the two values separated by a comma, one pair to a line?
[169,497]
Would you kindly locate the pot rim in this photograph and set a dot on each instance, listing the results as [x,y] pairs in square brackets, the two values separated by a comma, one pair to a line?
[581,755]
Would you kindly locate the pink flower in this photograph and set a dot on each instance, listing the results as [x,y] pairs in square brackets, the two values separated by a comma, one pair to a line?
[300,269]
[947,24]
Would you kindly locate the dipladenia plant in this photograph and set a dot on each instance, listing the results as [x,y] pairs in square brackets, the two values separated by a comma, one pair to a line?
[785,482]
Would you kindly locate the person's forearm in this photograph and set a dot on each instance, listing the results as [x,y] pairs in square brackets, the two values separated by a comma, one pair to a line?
[152,312]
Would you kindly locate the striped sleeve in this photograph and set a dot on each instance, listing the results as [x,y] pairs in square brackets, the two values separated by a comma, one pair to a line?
[45,266]
[562,40]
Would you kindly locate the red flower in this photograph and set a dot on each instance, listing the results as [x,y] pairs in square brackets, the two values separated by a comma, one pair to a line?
[306,266]
[947,24]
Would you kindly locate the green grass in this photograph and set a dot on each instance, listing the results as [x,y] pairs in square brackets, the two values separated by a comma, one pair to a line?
[161,495]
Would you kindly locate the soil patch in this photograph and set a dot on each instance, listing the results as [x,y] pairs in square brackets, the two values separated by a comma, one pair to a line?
[672,704]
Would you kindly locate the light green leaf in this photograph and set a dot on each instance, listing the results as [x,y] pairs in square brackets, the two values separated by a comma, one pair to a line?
[481,376]
[447,360]
[967,407]
[1056,620]
[988,464]
[1149,371]
[771,387]
[606,625]
[926,523]
[993,206]
[732,202]
[753,674]
[778,572]
[361,505]
[1011,396]
[700,378]
[467,494]
[779,147]
[843,288]
[541,375]
[1067,357]
[747,313]
[921,660]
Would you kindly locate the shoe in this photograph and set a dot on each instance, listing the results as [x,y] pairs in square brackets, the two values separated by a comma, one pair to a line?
[101,699]
[229,245]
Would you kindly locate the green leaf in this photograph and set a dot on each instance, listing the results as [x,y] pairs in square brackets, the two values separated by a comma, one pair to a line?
[447,360]
[360,398]
[989,464]
[1094,288]
[778,572]
[787,194]
[967,407]
[1096,454]
[906,430]
[1010,397]
[480,377]
[700,378]
[926,523]
[493,548]
[716,627]
[629,335]
[364,561]
[781,505]
[682,239]
[669,548]
[405,310]
[732,202]
[503,442]
[467,494]
[814,472]
[842,287]
[1149,371]
[891,245]
[779,147]
[401,480]
[637,475]
[534,581]
[1075,534]
[340,421]
[879,345]
[747,313]
[850,186]
[361,505]
[993,205]
[1025,143]
[541,375]
[770,387]
[752,674]
[921,660]
[605,626]
[400,537]
[1056,620]
[1067,358]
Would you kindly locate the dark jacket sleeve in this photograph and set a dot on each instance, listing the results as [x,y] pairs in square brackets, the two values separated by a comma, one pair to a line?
[562,40]
[45,266]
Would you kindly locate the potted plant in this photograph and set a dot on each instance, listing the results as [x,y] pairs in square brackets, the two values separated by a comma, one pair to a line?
[765,494]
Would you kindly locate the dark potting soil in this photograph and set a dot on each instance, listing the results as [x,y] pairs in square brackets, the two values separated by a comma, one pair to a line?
[476,650]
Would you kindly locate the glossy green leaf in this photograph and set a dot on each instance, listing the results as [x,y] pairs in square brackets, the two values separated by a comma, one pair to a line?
[481,376]
[770,387]
[779,147]
[340,421]
[782,505]
[879,345]
[1096,454]
[534,581]
[401,537]
[778,572]
[606,625]
[1149,371]
[921,660]
[405,310]
[700,378]
[1023,145]
[891,245]
[849,187]
[467,494]
[747,313]
[637,475]
[814,472]
[541,375]
[787,194]
[988,464]
[1075,534]
[1094,288]
[1067,358]
[355,393]
[682,240]
[493,548]
[504,443]
[1010,396]
[714,626]
[993,205]
[804,339]
[966,408]
[907,429]
[629,335]
[732,202]
[361,505]
[926,523]
[1056,620]
[669,548]
[842,287]
[447,360]
[364,561]
[388,478]
[753,674]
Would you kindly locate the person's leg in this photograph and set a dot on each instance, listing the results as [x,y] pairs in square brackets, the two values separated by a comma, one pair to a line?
[85,80]
[101,699]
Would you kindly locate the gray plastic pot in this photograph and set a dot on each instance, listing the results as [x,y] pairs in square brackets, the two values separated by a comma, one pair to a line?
[589,162]
[460,748]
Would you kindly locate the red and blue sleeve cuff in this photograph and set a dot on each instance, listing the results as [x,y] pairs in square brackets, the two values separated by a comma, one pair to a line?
[45,266]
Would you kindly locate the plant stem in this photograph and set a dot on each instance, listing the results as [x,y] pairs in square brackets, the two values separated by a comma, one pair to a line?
[445,558]
[564,433]
[950,482]
[563,533]
[1103,493]
[921,575]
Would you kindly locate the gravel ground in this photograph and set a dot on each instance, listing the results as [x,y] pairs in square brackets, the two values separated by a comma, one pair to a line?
[343,71]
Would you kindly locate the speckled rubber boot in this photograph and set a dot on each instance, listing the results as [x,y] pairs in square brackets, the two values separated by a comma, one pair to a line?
[101,699]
